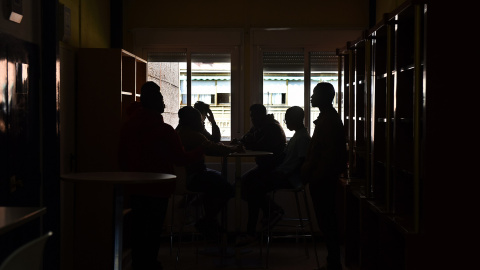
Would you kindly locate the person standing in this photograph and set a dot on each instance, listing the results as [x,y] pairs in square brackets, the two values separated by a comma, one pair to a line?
[326,160]
[147,144]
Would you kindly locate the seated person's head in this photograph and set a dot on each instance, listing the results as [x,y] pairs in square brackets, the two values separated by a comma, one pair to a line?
[190,117]
[202,107]
[257,114]
[294,117]
[151,98]
[323,95]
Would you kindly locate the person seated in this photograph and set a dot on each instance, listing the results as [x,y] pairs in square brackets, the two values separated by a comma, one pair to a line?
[266,134]
[216,189]
[285,175]
[207,114]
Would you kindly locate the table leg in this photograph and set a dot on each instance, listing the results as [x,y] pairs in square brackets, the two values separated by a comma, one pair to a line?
[118,226]
[238,194]
[238,202]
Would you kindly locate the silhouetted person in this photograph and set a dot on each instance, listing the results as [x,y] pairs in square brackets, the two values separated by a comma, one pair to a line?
[207,114]
[326,160]
[285,175]
[266,135]
[216,189]
[147,144]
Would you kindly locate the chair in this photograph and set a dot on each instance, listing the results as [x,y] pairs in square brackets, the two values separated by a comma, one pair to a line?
[299,223]
[28,256]
[181,191]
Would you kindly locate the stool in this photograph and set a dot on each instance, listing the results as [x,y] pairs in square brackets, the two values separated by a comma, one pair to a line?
[300,225]
[186,195]
[182,191]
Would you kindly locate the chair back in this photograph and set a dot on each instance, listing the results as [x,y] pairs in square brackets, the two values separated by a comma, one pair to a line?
[28,256]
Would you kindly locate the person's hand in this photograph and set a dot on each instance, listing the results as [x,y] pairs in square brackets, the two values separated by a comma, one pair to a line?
[239,149]
[210,117]
[235,142]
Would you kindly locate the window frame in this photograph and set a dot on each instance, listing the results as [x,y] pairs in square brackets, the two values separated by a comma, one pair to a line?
[196,42]
[257,89]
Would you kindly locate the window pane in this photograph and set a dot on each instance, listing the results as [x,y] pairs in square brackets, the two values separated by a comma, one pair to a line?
[211,83]
[283,85]
[323,68]
[165,70]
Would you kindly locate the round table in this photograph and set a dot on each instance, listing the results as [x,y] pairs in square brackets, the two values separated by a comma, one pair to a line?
[119,177]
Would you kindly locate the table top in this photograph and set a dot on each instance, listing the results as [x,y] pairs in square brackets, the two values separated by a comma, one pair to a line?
[120,177]
[13,216]
[250,153]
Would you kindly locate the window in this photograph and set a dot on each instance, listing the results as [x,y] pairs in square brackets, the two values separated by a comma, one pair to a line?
[323,68]
[165,69]
[186,78]
[284,81]
[283,73]
[223,98]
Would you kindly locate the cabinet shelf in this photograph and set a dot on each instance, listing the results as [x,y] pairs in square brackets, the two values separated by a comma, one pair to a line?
[109,81]
[383,89]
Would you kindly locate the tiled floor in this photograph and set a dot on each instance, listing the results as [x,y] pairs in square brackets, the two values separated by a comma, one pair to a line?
[284,254]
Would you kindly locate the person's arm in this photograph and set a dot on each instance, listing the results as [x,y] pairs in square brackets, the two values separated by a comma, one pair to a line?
[303,145]
[215,136]
[307,165]
[207,134]
[296,152]
[247,139]
[268,138]
[214,148]
[218,149]
[194,139]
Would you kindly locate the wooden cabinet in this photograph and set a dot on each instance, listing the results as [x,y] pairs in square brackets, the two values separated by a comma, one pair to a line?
[108,81]
[384,105]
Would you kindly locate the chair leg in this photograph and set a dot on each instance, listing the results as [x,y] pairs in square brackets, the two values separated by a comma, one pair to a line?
[197,215]
[269,233]
[180,232]
[171,224]
[302,226]
[307,208]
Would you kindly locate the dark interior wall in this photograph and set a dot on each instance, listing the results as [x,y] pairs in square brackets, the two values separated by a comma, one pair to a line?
[20,178]
[30,138]
[20,91]
[90,25]
[245,14]
[94,24]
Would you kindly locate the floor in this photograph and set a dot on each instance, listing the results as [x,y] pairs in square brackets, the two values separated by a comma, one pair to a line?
[284,254]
